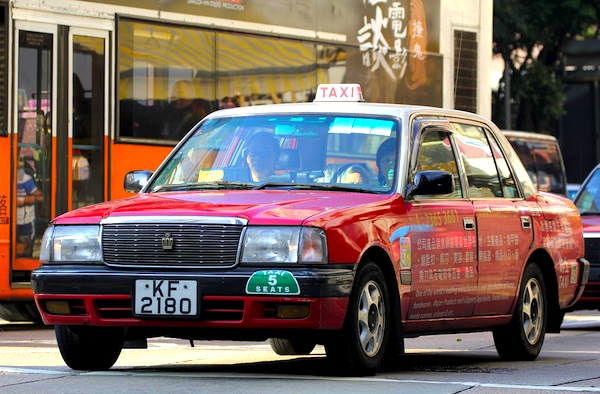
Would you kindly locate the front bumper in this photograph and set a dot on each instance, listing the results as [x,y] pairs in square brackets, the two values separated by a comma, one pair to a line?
[590,298]
[101,296]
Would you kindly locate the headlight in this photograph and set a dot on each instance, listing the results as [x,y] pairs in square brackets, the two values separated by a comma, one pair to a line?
[271,244]
[64,244]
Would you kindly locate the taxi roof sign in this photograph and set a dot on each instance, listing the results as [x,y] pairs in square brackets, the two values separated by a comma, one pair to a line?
[339,92]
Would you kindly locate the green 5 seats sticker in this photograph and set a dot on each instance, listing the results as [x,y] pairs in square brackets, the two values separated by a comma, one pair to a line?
[272,282]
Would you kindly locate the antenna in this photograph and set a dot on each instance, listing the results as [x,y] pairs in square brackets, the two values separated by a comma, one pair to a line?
[457,68]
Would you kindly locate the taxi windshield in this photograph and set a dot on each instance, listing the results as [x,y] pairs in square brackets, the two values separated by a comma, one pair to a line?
[306,151]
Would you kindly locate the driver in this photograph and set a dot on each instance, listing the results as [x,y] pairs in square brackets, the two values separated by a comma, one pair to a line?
[262,155]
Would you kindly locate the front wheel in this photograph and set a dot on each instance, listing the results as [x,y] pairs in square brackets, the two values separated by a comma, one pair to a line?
[523,337]
[89,348]
[360,347]
[292,347]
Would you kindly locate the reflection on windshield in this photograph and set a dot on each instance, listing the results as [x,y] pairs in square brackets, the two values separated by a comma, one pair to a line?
[588,200]
[299,151]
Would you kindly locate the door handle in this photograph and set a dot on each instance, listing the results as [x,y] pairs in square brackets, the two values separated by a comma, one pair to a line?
[469,224]
[526,222]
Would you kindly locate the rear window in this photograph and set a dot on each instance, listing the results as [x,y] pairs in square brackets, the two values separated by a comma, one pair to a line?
[543,162]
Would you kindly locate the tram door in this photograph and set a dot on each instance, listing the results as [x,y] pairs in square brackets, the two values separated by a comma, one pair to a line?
[62,126]
[89,118]
[33,157]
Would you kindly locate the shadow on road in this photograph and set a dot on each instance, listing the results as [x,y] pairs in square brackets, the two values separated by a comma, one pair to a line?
[320,366]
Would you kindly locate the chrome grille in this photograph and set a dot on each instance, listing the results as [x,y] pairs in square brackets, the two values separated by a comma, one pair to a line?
[193,244]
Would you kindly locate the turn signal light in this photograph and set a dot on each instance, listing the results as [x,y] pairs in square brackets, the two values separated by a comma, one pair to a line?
[292,311]
[57,307]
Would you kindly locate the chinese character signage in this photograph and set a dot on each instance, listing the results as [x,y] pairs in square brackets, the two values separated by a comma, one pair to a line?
[399,51]
[391,46]
[3,209]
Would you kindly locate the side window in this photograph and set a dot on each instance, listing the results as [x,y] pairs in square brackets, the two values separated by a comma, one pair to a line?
[588,201]
[480,165]
[435,153]
[509,187]
[548,167]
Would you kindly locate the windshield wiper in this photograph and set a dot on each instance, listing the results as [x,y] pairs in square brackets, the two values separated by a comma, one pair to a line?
[267,184]
[203,185]
[312,186]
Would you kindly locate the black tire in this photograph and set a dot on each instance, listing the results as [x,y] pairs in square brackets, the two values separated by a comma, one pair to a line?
[20,311]
[359,348]
[561,318]
[89,348]
[292,347]
[523,337]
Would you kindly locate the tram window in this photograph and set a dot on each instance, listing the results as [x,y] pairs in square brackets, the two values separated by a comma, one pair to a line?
[260,70]
[3,68]
[157,84]
[170,77]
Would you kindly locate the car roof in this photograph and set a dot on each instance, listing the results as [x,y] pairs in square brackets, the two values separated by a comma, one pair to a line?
[350,108]
[529,135]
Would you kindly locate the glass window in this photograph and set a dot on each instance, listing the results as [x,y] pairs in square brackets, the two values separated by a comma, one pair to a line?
[170,77]
[165,79]
[282,150]
[509,187]
[543,161]
[435,153]
[547,173]
[588,199]
[480,165]
[3,68]
[88,120]
[260,70]
[34,140]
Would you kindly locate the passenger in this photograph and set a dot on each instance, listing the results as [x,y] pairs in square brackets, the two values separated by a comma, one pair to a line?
[202,107]
[262,155]
[182,116]
[386,161]
[28,195]
[228,102]
[81,113]
[355,174]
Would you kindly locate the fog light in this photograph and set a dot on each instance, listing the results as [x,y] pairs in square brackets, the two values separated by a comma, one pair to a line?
[58,307]
[292,311]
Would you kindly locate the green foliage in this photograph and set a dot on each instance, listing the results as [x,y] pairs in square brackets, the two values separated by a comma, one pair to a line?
[541,97]
[530,36]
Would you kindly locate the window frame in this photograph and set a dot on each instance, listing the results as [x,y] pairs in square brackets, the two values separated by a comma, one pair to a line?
[4,72]
[459,182]
[488,134]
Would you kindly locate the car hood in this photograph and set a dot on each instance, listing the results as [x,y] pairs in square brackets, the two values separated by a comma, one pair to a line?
[257,206]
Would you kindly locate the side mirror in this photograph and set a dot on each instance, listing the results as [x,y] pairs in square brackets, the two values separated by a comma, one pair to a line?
[136,180]
[431,182]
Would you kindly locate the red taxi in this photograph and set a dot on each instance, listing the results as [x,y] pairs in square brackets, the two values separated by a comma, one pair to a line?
[337,222]
[587,200]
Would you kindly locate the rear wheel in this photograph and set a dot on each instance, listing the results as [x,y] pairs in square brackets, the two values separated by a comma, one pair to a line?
[89,348]
[292,347]
[523,337]
[360,347]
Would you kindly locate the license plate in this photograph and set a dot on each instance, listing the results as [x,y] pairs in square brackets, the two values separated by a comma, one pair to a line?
[166,297]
